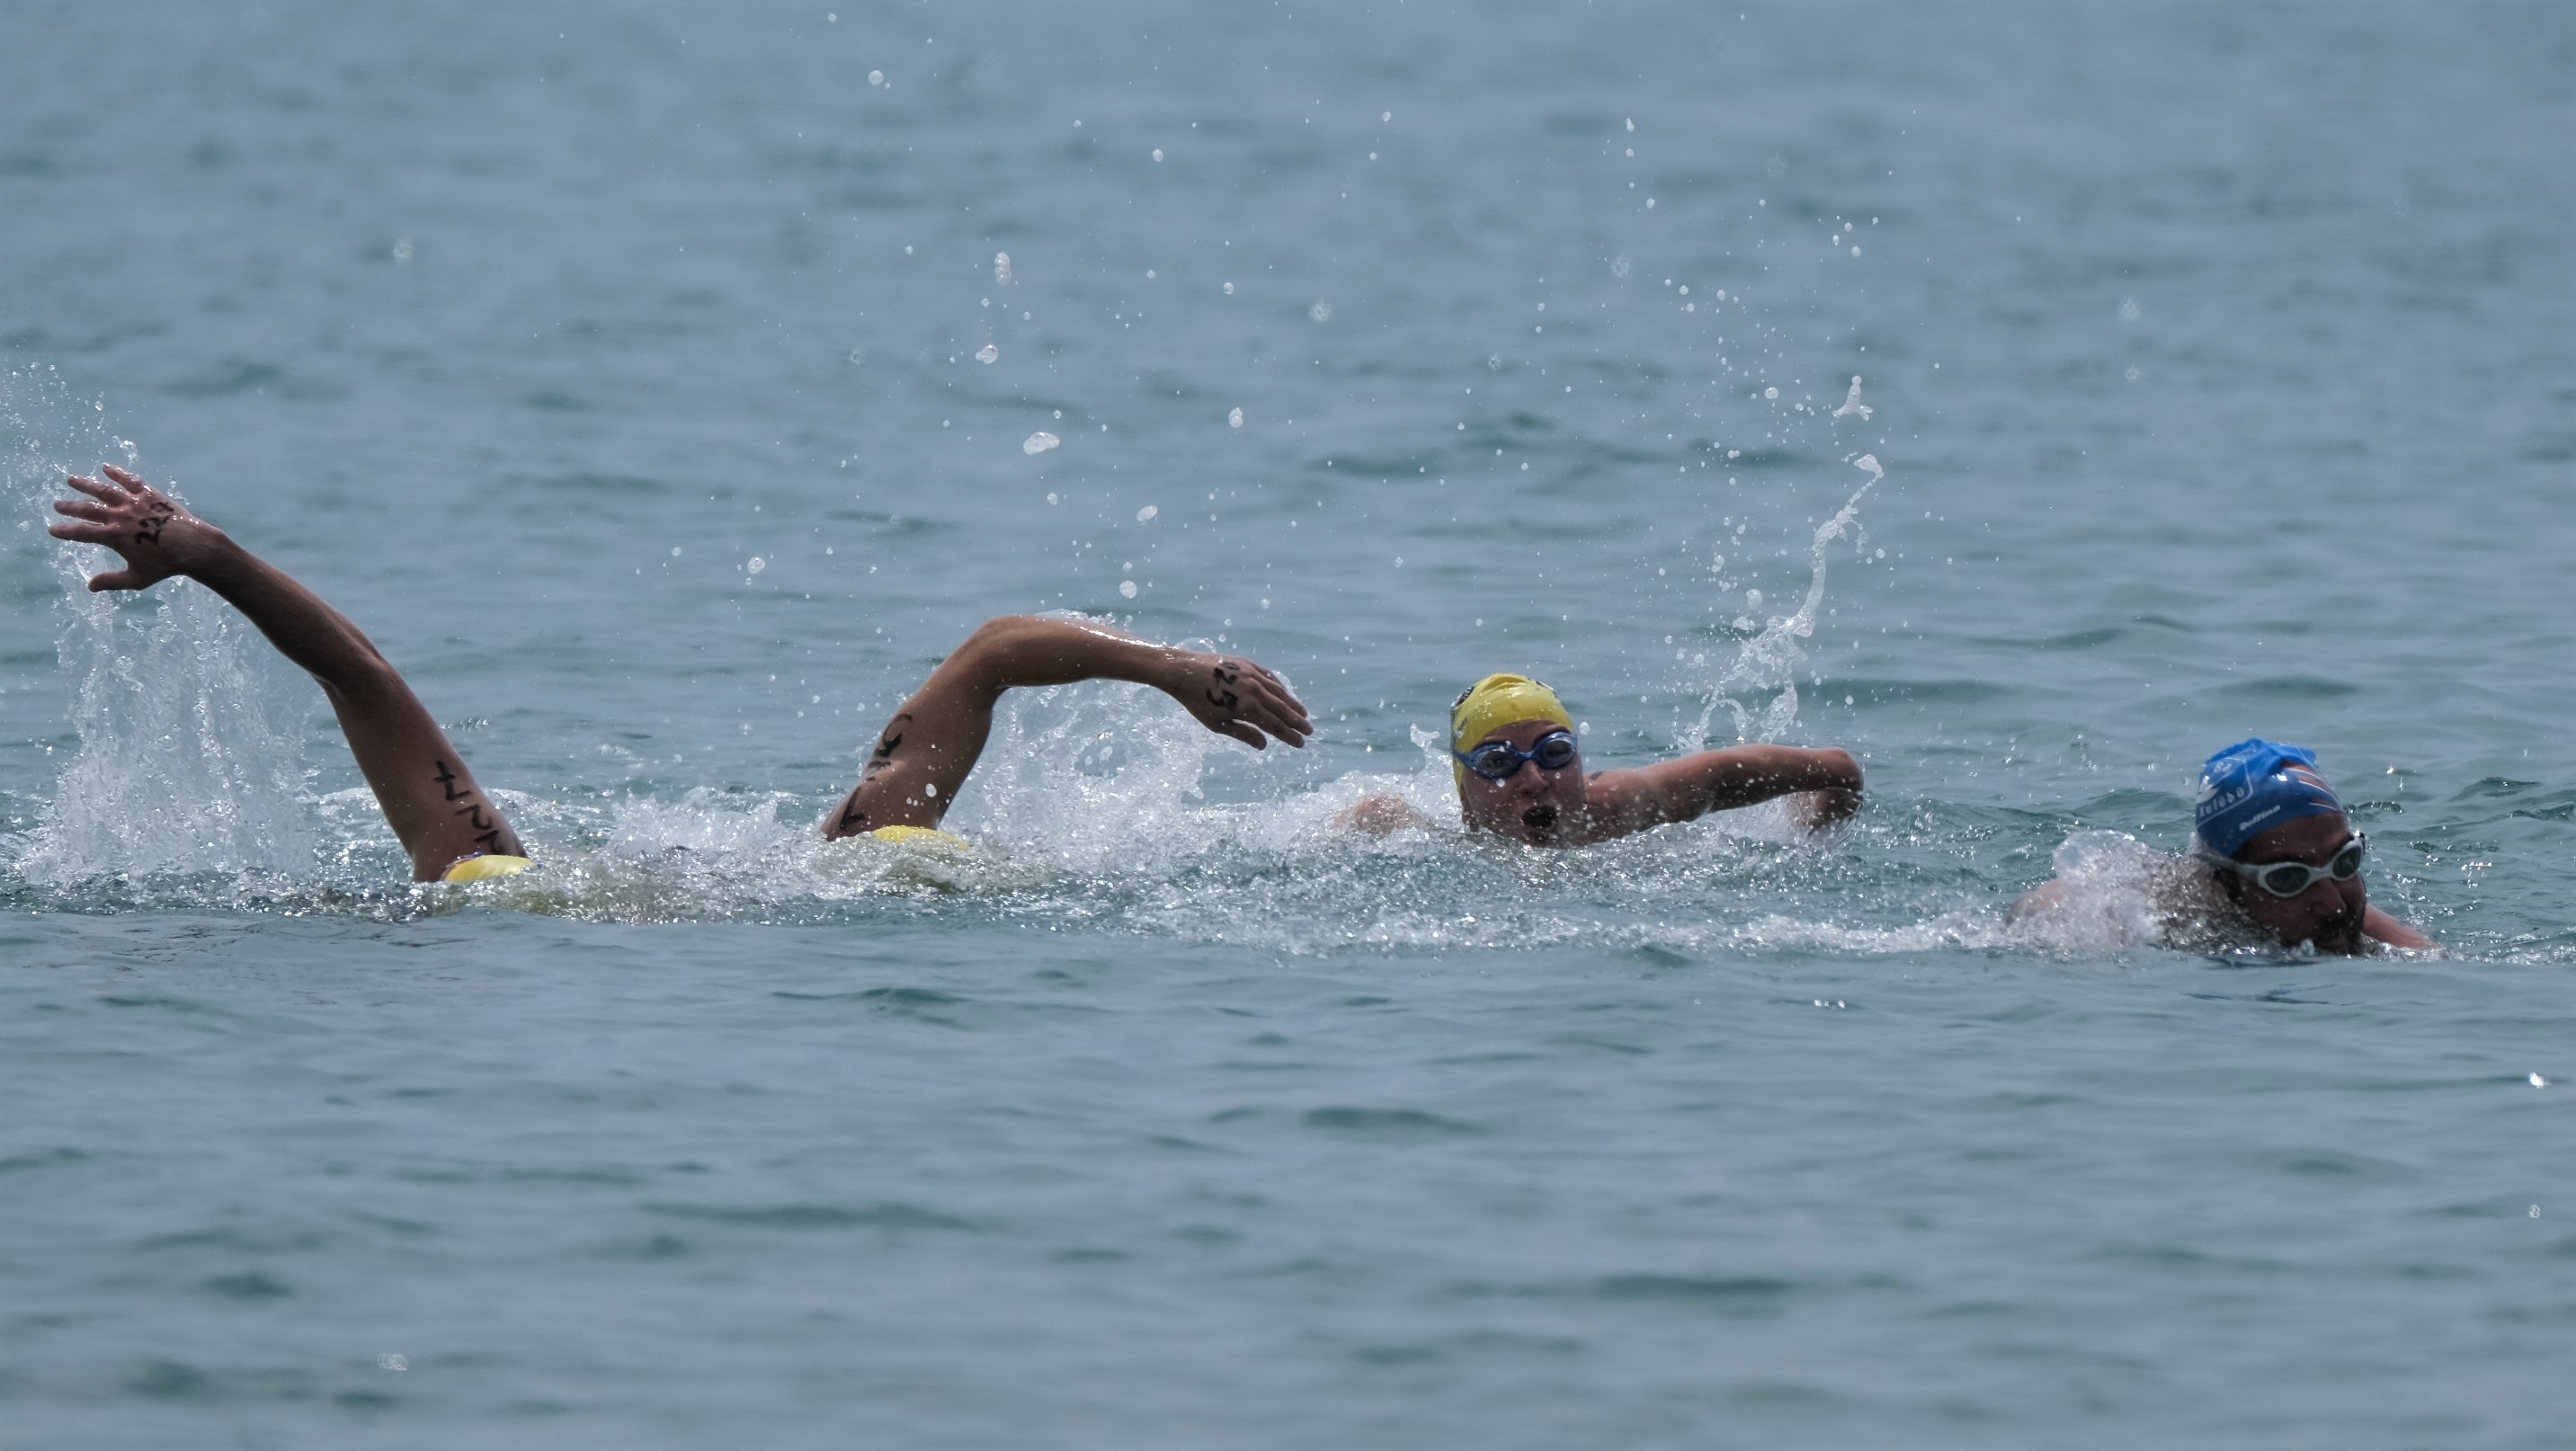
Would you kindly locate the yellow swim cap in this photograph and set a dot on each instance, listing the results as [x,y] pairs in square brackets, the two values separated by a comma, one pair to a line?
[1497,701]
[921,833]
[485,867]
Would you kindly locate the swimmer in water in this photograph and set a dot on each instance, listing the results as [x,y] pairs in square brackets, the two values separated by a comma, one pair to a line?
[1520,775]
[923,755]
[450,827]
[2273,859]
[454,831]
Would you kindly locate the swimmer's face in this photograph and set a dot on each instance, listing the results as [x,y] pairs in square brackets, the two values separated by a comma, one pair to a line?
[2329,912]
[1533,804]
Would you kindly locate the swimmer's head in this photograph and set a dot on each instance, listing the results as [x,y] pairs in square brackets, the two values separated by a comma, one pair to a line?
[1541,798]
[2266,804]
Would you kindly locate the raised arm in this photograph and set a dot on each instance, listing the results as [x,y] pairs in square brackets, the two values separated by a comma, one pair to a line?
[428,795]
[1827,783]
[923,756]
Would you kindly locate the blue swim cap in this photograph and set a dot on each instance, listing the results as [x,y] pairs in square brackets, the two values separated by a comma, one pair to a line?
[2253,786]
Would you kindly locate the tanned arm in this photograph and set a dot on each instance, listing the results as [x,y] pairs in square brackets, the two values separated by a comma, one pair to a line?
[1825,782]
[2378,924]
[428,795]
[923,755]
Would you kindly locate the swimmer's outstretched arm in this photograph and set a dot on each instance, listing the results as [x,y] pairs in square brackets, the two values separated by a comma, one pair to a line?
[923,755]
[427,794]
[1824,785]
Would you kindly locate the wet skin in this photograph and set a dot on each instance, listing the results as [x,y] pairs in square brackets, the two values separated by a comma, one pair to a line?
[1569,807]
[2335,916]
[1534,805]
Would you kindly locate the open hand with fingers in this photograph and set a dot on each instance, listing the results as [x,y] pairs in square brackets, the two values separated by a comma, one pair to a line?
[1234,697]
[157,537]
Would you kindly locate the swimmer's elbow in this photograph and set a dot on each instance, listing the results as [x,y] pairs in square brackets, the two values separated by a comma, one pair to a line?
[361,674]
[1000,632]
[1001,648]
[1841,768]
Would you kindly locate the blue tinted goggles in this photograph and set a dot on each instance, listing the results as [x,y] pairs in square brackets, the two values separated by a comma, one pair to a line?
[1501,760]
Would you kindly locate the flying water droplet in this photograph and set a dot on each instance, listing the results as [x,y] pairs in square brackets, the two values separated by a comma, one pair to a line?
[987,353]
[1001,269]
[1127,587]
[1321,312]
[755,565]
[1852,403]
[1146,514]
[1039,442]
[876,78]
[1234,418]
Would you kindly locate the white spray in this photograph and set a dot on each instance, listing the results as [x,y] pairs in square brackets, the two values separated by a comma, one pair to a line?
[190,754]
[1770,661]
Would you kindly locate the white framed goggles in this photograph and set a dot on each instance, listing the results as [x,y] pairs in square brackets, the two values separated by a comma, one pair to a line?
[2289,879]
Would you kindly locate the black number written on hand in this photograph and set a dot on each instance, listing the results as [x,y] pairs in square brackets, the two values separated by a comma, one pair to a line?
[1226,674]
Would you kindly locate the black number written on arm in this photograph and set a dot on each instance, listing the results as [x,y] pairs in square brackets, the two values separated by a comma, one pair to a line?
[487,827]
[883,755]
[853,819]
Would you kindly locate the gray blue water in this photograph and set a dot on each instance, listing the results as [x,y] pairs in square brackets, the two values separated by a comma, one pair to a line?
[646,379]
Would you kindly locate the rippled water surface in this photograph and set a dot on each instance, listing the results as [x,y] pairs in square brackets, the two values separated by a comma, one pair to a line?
[664,391]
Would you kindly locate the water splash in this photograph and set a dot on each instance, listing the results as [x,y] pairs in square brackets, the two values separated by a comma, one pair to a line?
[1770,661]
[190,754]
[1852,404]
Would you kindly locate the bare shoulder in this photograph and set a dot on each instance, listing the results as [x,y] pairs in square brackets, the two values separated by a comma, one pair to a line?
[1381,813]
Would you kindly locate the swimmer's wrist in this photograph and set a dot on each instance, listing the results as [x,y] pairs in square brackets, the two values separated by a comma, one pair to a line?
[206,554]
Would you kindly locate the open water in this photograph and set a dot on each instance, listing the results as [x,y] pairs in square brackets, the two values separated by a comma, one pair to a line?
[649,381]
